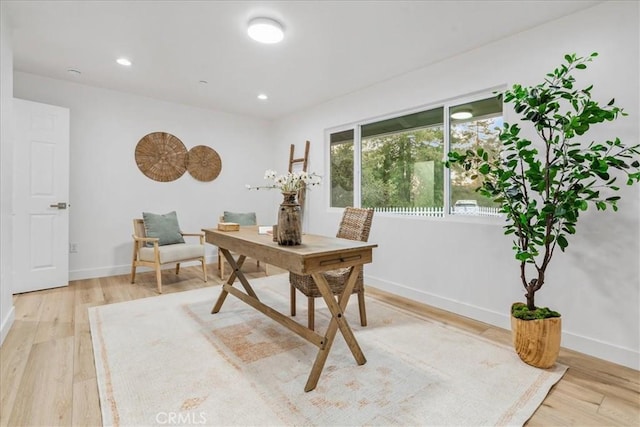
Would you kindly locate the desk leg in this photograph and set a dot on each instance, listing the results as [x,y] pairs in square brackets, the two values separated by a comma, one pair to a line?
[232,277]
[337,310]
[337,321]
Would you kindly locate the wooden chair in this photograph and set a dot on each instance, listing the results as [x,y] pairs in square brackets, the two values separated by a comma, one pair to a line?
[156,255]
[355,225]
[243,222]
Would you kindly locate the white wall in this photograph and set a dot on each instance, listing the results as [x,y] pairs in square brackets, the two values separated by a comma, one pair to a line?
[107,190]
[7,313]
[468,267]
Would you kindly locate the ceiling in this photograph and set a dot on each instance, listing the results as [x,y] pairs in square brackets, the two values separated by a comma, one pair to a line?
[331,48]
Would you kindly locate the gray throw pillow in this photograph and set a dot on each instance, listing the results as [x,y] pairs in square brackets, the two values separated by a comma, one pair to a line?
[248,218]
[164,227]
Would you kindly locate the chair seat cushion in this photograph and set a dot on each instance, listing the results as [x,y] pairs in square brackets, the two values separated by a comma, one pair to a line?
[173,253]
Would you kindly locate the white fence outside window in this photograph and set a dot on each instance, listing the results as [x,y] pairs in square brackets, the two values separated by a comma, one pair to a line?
[436,211]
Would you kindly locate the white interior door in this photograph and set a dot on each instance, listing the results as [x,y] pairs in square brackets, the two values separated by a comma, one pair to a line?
[41,195]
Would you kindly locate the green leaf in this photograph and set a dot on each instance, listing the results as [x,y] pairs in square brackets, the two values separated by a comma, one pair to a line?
[562,242]
[560,211]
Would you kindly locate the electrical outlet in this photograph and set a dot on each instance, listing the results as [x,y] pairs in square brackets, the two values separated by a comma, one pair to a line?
[73,248]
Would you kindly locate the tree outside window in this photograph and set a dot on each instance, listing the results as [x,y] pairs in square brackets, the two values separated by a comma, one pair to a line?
[341,156]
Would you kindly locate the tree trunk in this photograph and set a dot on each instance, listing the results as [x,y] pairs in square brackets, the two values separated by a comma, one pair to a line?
[530,298]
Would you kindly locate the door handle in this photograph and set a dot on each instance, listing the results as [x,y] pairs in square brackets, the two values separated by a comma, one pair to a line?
[59,205]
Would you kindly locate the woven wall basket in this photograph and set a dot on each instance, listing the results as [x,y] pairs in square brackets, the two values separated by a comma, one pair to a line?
[161,156]
[204,163]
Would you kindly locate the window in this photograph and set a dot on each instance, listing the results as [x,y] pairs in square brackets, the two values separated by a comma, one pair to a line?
[396,165]
[341,155]
[478,131]
[402,161]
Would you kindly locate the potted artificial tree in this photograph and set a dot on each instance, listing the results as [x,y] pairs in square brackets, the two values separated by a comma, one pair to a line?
[543,185]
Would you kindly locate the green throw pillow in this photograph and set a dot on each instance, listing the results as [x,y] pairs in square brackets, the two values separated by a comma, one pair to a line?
[248,218]
[164,227]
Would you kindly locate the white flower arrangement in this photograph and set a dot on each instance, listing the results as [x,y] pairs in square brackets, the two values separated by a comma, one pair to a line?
[292,181]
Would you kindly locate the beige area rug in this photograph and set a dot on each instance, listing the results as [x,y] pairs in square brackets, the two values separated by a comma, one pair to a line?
[167,361]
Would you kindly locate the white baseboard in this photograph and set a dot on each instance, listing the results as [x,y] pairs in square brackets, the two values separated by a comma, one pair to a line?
[92,273]
[602,350]
[477,313]
[590,346]
[7,322]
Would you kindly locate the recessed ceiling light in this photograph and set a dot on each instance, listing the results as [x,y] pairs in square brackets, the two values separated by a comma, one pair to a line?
[265,30]
[124,61]
[263,96]
[462,114]
[74,72]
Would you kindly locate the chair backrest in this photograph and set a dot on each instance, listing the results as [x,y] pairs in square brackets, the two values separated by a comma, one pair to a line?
[355,224]
[242,218]
[138,228]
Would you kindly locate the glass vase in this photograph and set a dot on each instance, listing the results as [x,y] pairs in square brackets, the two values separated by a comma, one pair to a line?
[289,220]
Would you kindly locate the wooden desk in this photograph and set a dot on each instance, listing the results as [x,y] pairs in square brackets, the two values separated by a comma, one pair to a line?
[315,255]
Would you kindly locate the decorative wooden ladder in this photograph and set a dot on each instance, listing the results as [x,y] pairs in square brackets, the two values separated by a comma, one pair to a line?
[304,160]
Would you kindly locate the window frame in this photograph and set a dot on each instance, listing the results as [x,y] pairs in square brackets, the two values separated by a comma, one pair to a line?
[356,126]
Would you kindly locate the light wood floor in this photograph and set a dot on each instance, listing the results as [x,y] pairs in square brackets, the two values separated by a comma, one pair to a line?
[48,375]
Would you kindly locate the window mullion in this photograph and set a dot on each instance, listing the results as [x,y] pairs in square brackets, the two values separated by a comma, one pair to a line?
[446,171]
[357,166]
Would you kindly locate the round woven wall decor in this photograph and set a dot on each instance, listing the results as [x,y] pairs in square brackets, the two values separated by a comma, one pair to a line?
[161,156]
[204,163]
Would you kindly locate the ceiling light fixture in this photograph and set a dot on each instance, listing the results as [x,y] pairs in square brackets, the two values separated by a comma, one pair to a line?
[263,96]
[462,114]
[124,61]
[265,30]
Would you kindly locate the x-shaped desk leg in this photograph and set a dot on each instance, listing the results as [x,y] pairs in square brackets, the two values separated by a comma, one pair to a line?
[338,321]
[232,277]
